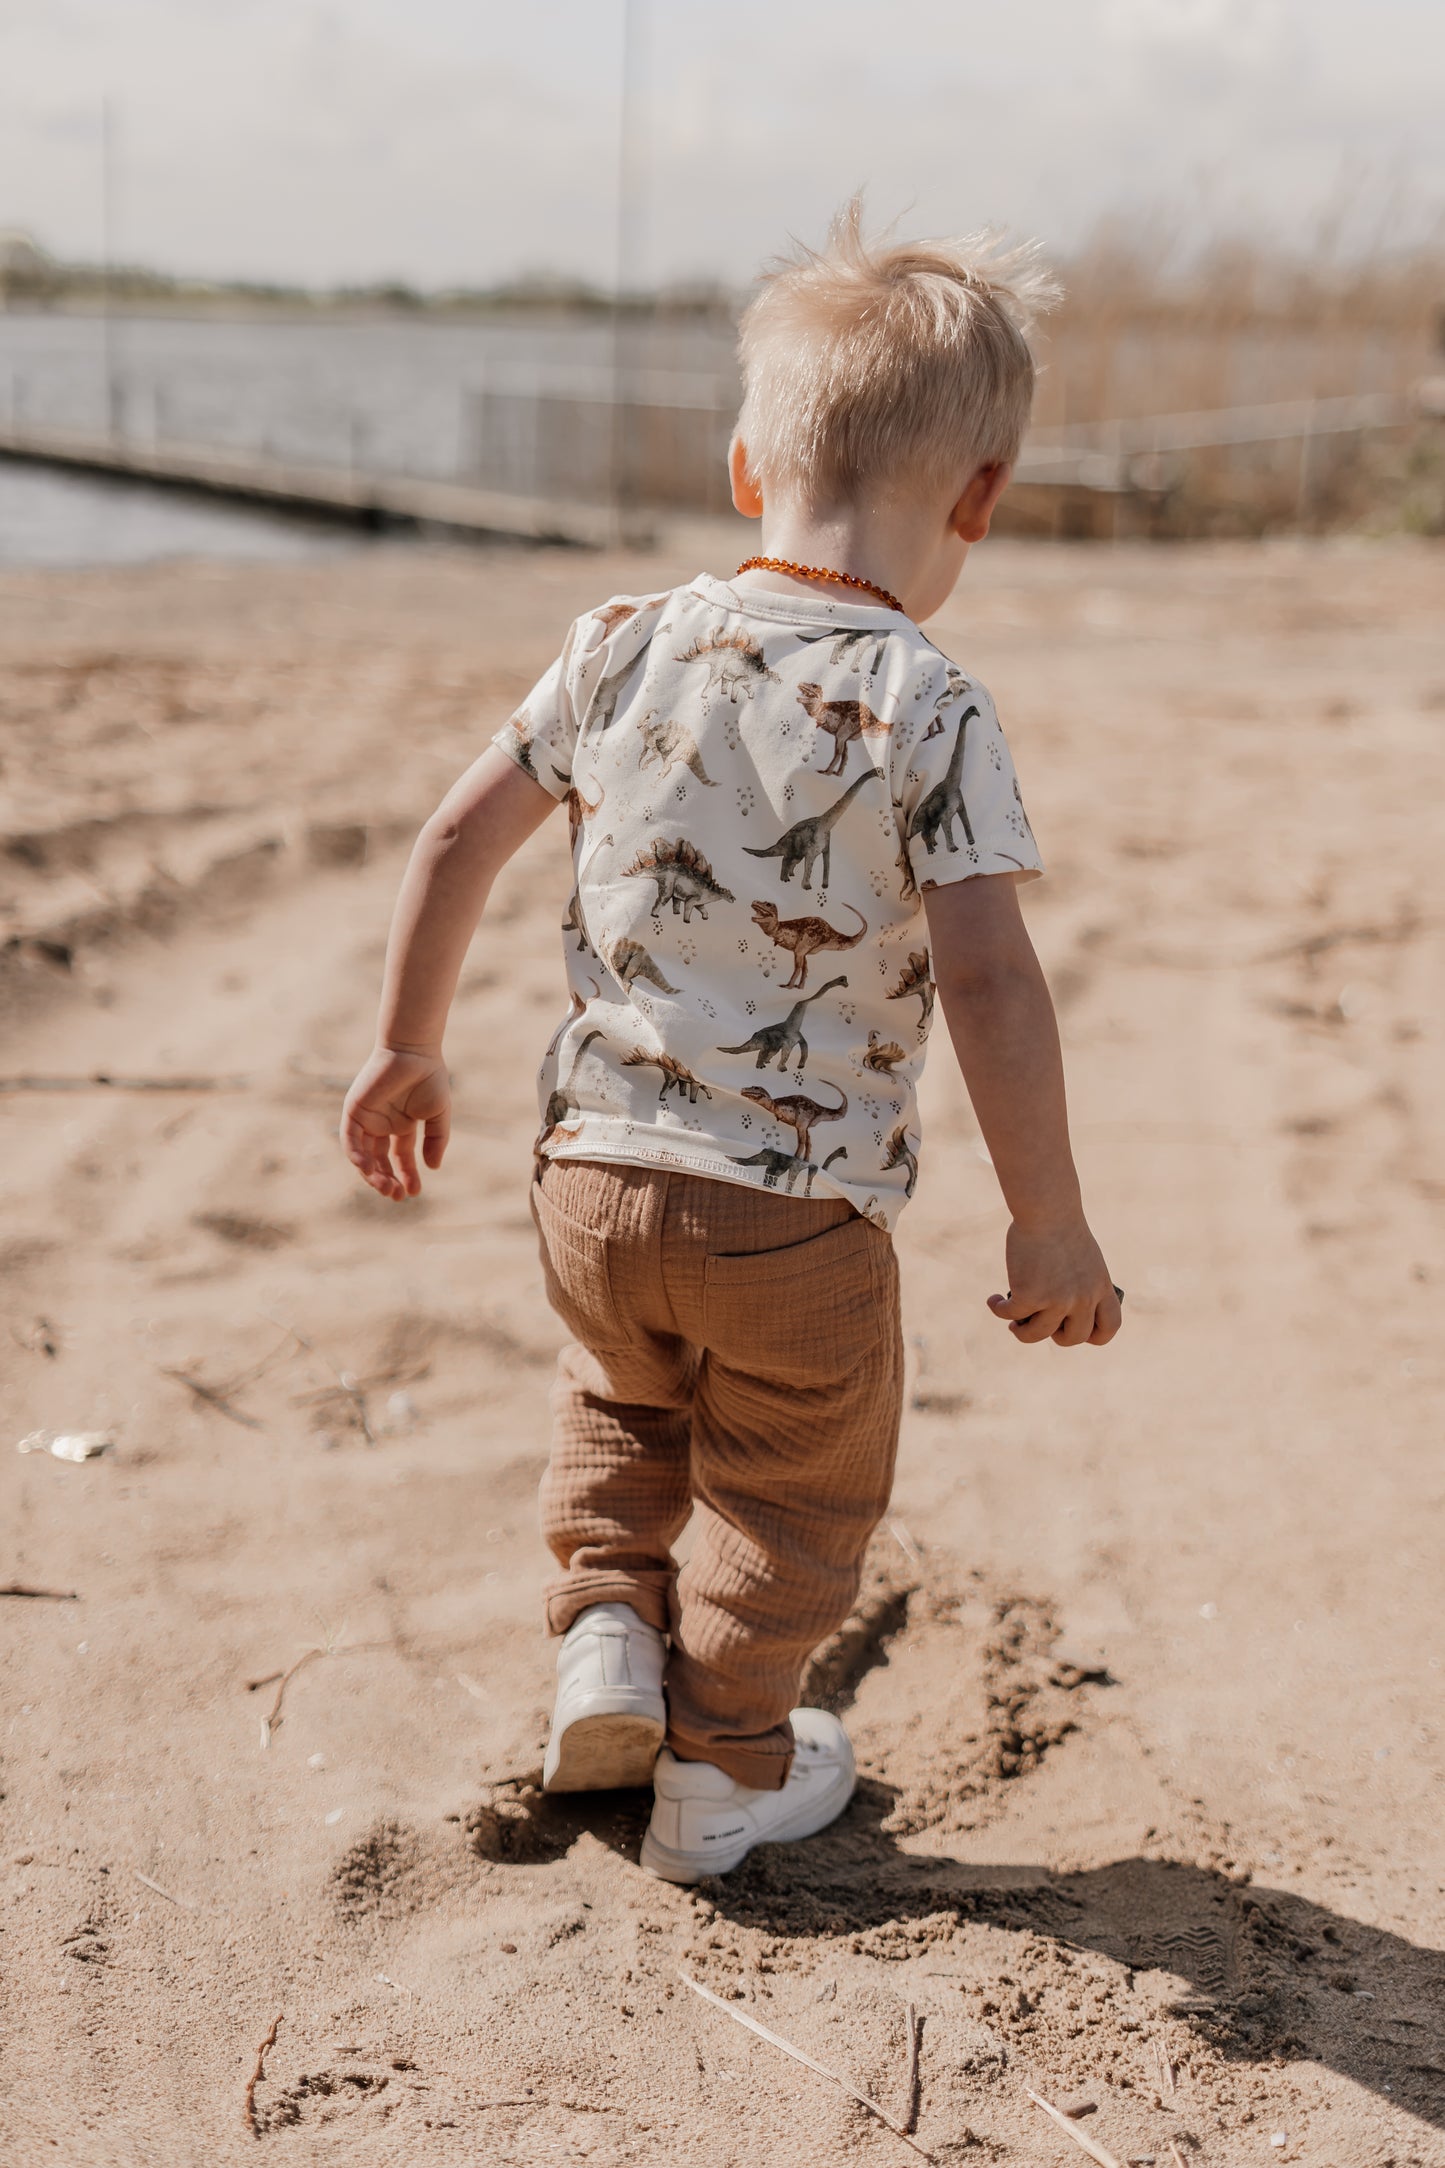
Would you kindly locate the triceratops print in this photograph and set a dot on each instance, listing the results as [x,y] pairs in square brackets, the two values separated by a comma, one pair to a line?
[668,743]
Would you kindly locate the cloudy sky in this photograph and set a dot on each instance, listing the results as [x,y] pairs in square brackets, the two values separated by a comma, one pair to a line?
[464,140]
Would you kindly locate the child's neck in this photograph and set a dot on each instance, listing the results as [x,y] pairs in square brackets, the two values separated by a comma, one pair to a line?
[888,542]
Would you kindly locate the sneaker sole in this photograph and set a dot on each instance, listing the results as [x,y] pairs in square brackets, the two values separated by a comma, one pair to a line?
[605,1753]
[670,1866]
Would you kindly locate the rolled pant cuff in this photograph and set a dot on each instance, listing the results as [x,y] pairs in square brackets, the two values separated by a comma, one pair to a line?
[764,1767]
[647,1592]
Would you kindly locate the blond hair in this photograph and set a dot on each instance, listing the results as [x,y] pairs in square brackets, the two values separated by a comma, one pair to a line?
[907,360]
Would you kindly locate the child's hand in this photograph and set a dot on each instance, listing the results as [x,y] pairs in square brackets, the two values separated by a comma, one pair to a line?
[1059,1287]
[394,1092]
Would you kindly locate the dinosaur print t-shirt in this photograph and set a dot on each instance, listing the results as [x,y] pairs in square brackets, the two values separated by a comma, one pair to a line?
[760,786]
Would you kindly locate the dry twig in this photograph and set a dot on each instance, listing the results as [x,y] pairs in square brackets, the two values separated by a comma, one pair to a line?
[272,1717]
[169,1895]
[910,2089]
[1180,2160]
[740,2017]
[248,2109]
[213,1396]
[1091,2146]
[55,1595]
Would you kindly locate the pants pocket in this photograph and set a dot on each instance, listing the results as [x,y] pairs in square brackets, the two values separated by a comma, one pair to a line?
[804,1315]
[576,1272]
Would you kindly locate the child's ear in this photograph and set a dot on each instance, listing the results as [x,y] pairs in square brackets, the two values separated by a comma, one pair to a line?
[747,496]
[975,508]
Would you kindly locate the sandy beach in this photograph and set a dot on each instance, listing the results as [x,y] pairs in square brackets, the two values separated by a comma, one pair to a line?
[1146,1680]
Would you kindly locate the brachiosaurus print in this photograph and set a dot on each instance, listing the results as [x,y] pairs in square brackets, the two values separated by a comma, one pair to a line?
[801,844]
[901,1154]
[574,921]
[609,690]
[935,814]
[563,1099]
[844,719]
[787,1166]
[675,1075]
[668,743]
[785,1038]
[735,665]
[883,1054]
[798,1111]
[628,960]
[805,936]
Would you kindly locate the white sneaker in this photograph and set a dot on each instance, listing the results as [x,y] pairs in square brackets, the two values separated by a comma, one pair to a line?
[703,1822]
[610,1716]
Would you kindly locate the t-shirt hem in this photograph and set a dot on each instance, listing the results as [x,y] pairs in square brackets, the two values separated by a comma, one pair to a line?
[506,741]
[714,1164]
[946,874]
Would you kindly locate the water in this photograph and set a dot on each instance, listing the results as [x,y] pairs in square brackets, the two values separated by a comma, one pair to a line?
[391,394]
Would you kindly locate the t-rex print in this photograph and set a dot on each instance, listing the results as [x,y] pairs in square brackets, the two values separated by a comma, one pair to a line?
[683,876]
[915,978]
[935,814]
[735,665]
[844,719]
[574,922]
[798,1111]
[668,743]
[563,1099]
[801,844]
[901,1154]
[675,1076]
[805,936]
[883,1054]
[628,960]
[786,1038]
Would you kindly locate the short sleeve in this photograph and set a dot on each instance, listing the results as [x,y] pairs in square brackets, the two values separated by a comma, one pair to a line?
[542,736]
[959,805]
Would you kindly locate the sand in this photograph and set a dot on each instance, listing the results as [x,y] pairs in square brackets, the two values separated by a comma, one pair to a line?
[1146,1681]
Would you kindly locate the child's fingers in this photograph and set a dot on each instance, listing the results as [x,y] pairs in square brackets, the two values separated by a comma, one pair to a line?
[404,1145]
[1076,1328]
[1108,1317]
[437,1137]
[1041,1326]
[369,1155]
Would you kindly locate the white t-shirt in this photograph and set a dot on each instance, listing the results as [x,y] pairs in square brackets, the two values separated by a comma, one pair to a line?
[760,785]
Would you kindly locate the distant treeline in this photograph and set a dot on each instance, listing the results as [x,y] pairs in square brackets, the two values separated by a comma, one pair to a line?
[30,276]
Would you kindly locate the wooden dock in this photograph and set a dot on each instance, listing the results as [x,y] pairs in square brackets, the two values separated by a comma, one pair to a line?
[376,501]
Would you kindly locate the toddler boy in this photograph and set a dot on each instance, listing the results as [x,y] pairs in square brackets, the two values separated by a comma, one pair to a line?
[794,823]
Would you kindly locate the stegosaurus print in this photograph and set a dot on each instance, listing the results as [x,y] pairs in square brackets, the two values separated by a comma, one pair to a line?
[736,666]
[916,978]
[900,1154]
[683,876]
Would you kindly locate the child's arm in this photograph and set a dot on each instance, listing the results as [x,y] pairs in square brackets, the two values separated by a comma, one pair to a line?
[1002,1024]
[483,819]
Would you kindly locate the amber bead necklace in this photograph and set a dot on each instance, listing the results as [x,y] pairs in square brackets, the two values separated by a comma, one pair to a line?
[820,572]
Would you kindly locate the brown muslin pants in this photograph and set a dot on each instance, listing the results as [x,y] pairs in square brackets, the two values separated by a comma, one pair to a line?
[738,1354]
